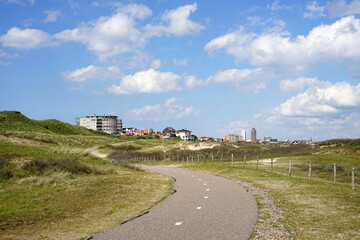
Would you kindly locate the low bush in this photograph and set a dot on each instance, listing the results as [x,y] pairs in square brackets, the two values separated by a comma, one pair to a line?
[74,167]
[6,170]
[122,148]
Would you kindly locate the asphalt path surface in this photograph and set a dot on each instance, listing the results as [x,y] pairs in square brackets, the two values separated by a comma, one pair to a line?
[204,206]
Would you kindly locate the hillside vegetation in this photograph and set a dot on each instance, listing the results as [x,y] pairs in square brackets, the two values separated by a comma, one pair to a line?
[51,187]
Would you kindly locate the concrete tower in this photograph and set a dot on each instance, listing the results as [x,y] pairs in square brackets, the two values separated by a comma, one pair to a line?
[243,135]
[253,135]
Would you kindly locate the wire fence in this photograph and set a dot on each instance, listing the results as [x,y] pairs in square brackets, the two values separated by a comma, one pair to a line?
[336,173]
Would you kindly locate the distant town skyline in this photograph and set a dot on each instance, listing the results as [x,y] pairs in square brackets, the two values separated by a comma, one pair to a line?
[290,69]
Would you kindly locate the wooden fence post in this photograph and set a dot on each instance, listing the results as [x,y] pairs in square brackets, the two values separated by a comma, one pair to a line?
[187,160]
[192,159]
[309,170]
[290,169]
[257,162]
[198,159]
[271,167]
[221,161]
[334,173]
[244,160]
[232,159]
[212,158]
[205,159]
[353,178]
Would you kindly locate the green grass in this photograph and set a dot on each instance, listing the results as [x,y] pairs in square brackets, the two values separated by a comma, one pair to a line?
[77,207]
[52,188]
[11,121]
[314,209]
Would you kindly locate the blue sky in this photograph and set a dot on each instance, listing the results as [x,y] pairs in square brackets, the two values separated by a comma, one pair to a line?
[290,69]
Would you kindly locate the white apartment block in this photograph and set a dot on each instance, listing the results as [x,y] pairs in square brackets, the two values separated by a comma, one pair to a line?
[104,123]
[243,135]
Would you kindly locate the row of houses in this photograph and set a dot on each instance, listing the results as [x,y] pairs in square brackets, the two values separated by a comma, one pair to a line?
[167,133]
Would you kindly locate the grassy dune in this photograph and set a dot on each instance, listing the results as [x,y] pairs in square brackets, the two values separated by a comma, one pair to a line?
[51,188]
[312,209]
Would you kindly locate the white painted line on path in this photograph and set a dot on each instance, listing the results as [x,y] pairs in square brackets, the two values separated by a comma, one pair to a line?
[208,189]
[199,179]
[206,197]
[205,184]
[178,223]
[198,208]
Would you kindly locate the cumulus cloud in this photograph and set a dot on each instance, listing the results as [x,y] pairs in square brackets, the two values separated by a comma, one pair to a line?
[52,15]
[176,22]
[149,81]
[235,75]
[300,83]
[156,64]
[120,33]
[329,99]
[5,57]
[314,10]
[325,43]
[180,62]
[170,109]
[277,6]
[92,72]
[244,79]
[234,127]
[110,36]
[191,81]
[340,8]
[26,38]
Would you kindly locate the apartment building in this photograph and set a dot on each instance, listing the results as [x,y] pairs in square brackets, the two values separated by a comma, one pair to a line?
[104,123]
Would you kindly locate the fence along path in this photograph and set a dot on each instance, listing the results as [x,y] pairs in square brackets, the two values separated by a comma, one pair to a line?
[325,172]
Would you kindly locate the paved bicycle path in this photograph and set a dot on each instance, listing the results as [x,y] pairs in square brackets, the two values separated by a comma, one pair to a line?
[204,207]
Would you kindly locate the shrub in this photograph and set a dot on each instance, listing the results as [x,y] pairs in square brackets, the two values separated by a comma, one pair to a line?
[41,166]
[6,170]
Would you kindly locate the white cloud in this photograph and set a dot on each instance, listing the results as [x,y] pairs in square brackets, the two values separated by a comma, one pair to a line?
[355,71]
[314,11]
[325,43]
[119,33]
[235,75]
[156,64]
[277,6]
[192,82]
[235,127]
[244,79]
[52,15]
[300,83]
[149,81]
[177,23]
[329,99]
[180,62]
[32,2]
[92,72]
[5,57]
[170,109]
[111,36]
[26,39]
[340,8]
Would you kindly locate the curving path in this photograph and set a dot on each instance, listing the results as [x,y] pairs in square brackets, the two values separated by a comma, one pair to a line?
[203,207]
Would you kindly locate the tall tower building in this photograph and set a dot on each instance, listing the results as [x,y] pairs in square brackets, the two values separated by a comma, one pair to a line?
[253,135]
[243,135]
